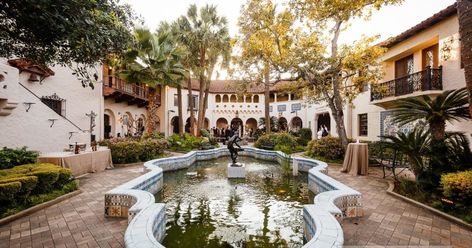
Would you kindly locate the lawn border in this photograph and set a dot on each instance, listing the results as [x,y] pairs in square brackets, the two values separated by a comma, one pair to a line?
[38,207]
[449,217]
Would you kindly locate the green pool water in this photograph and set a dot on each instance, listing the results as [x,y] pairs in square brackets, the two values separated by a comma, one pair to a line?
[263,210]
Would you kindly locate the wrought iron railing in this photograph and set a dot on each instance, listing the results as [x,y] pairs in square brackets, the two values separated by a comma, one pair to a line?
[429,79]
[136,90]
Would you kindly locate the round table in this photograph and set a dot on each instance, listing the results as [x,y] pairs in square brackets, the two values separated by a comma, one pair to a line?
[356,160]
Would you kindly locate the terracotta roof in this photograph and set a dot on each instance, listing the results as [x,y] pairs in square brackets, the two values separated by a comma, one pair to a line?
[431,21]
[235,86]
[27,65]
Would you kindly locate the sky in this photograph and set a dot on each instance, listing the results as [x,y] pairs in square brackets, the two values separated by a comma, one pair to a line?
[387,22]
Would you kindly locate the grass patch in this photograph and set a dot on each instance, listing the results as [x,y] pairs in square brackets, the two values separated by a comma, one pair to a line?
[34,200]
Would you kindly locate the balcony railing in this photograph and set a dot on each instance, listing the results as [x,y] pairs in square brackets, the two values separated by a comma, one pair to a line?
[135,90]
[429,79]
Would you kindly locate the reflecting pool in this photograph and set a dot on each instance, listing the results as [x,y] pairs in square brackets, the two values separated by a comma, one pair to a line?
[209,210]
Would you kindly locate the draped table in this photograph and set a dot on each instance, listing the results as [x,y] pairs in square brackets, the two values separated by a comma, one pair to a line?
[82,163]
[356,160]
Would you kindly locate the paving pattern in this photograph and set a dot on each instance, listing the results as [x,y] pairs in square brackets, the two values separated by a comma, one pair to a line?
[79,221]
[389,221]
[76,222]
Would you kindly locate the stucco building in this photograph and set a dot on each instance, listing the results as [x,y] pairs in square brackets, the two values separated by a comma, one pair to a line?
[47,108]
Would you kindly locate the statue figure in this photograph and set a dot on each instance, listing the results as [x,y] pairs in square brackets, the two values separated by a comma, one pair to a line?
[231,143]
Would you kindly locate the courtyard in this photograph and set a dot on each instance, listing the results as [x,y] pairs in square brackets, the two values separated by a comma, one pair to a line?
[245,123]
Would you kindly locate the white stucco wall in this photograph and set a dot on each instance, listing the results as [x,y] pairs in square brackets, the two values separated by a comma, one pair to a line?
[32,128]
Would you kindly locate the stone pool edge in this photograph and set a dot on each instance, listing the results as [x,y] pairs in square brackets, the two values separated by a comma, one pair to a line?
[146,218]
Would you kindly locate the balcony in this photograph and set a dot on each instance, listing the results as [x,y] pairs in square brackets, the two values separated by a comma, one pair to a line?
[122,91]
[428,81]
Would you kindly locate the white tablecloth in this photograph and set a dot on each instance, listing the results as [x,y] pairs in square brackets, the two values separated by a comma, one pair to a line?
[81,163]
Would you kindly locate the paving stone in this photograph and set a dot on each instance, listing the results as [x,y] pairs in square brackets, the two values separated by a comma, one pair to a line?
[79,221]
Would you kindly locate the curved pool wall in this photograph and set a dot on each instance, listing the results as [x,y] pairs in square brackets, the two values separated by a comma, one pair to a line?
[147,219]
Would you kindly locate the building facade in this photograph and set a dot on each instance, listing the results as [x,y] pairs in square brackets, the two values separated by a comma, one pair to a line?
[424,60]
[47,109]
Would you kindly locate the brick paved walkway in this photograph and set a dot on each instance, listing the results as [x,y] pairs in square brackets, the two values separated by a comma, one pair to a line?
[389,221]
[79,221]
[76,222]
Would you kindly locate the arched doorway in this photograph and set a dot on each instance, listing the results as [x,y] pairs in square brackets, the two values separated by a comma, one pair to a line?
[251,126]
[187,124]
[140,125]
[108,124]
[282,124]
[237,123]
[324,121]
[174,122]
[296,123]
[221,123]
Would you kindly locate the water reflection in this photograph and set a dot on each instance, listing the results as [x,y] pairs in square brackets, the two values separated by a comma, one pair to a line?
[211,211]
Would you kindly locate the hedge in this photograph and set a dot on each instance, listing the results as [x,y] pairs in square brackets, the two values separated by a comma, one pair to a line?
[10,157]
[273,140]
[8,191]
[327,147]
[458,186]
[125,150]
[33,179]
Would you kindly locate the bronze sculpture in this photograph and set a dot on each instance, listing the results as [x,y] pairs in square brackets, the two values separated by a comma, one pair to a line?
[233,141]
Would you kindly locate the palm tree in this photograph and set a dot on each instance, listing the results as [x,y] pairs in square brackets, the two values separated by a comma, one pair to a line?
[464,10]
[205,35]
[154,60]
[415,145]
[449,106]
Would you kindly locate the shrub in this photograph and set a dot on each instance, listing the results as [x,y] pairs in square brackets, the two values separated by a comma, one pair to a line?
[46,180]
[270,141]
[12,157]
[129,150]
[187,142]
[327,147]
[8,191]
[65,176]
[152,148]
[28,183]
[283,148]
[458,186]
[303,136]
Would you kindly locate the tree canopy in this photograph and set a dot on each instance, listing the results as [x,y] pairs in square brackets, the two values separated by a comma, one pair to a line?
[64,32]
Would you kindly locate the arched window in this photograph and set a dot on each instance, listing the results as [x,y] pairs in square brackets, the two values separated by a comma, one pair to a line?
[217,98]
[233,98]
[255,99]
[225,98]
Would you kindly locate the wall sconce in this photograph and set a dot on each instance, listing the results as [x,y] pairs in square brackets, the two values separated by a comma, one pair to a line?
[70,134]
[28,104]
[52,121]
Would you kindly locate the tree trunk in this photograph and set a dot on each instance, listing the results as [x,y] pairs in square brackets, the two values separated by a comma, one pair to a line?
[464,10]
[205,102]
[438,131]
[201,104]
[151,111]
[338,116]
[267,100]
[190,106]
[336,103]
[180,112]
